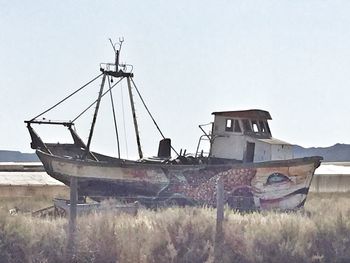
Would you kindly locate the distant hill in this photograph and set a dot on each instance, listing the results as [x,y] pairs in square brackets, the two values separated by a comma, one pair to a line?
[336,153]
[16,156]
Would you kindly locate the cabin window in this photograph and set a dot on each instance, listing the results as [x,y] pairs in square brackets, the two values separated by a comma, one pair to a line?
[255,126]
[229,125]
[246,126]
[262,127]
[237,128]
[232,126]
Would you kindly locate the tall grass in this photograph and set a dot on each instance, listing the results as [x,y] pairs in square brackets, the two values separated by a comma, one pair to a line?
[320,234]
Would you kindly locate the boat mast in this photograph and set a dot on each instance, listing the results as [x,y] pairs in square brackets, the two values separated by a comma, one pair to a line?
[113,70]
[134,118]
[95,114]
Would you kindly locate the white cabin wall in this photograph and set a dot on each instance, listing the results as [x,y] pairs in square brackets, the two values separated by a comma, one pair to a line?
[228,147]
[219,125]
[281,152]
[226,144]
[262,151]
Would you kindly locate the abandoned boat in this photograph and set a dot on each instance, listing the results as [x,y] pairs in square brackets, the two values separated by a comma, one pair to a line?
[258,171]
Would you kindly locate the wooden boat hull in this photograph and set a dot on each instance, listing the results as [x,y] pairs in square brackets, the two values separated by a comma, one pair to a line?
[267,185]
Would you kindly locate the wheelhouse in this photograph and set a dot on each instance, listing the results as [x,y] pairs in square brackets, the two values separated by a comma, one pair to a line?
[246,136]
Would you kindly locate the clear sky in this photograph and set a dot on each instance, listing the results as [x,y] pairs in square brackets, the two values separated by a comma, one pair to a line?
[290,57]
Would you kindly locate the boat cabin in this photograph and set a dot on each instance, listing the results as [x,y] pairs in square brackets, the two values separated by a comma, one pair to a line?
[246,136]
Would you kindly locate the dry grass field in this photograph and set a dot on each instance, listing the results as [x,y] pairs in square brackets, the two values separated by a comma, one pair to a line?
[319,234]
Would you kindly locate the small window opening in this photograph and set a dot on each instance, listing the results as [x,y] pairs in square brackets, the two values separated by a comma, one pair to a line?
[255,126]
[237,127]
[229,125]
[246,126]
[262,127]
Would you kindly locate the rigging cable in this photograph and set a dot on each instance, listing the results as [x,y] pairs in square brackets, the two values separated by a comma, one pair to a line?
[114,116]
[155,123]
[92,104]
[70,95]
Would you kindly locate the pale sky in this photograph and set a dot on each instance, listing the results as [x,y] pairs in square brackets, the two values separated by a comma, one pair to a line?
[191,58]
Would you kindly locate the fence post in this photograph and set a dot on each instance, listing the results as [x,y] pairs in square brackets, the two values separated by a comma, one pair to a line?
[71,246]
[219,217]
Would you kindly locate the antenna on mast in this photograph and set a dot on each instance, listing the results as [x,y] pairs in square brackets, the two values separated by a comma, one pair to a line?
[116,69]
[117,51]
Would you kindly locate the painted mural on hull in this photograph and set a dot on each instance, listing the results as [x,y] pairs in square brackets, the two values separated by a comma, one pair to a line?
[267,188]
[246,187]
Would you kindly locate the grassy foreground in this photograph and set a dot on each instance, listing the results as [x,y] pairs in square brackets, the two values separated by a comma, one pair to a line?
[321,234]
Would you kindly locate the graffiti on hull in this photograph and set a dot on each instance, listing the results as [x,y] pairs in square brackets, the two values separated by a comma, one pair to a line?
[245,188]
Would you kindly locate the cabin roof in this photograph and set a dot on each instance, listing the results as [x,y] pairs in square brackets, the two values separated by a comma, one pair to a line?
[274,141]
[248,114]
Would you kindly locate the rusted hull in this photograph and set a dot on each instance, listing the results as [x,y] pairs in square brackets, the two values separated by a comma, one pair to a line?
[267,185]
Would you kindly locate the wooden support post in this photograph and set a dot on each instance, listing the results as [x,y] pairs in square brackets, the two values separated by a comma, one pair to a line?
[219,218]
[71,246]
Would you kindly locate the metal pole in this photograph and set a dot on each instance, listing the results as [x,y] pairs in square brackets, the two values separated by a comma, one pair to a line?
[96,112]
[71,247]
[134,118]
[219,204]
[219,218]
